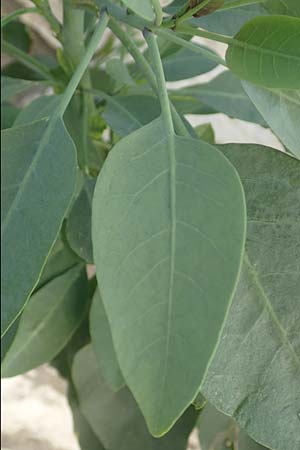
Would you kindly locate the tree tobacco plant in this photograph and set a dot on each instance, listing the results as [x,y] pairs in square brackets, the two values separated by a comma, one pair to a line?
[192,319]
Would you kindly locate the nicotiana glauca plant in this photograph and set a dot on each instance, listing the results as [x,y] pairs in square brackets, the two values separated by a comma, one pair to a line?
[192,319]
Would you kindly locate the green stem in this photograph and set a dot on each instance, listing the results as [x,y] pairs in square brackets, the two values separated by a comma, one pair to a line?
[161,82]
[83,65]
[191,46]
[192,31]
[45,9]
[191,12]
[158,12]
[145,68]
[27,60]
[10,17]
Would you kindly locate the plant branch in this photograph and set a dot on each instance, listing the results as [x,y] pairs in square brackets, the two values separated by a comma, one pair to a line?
[238,3]
[161,82]
[83,65]
[191,46]
[192,31]
[145,68]
[19,12]
[158,12]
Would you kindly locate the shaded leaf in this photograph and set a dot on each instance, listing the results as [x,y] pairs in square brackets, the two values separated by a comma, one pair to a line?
[281,110]
[78,229]
[48,322]
[9,114]
[186,64]
[255,374]
[220,432]
[118,70]
[152,257]
[127,430]
[40,108]
[13,86]
[206,133]
[142,8]
[37,188]
[103,345]
[125,114]
[16,33]
[224,94]
[210,6]
[266,51]
[286,7]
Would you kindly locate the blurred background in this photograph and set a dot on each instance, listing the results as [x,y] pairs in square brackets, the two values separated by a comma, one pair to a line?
[36,414]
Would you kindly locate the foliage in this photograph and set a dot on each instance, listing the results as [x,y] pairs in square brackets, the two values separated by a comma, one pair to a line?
[193,321]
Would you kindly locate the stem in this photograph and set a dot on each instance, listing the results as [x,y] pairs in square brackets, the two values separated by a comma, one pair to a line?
[191,46]
[80,71]
[190,12]
[10,17]
[192,31]
[161,82]
[145,68]
[158,12]
[45,9]
[27,60]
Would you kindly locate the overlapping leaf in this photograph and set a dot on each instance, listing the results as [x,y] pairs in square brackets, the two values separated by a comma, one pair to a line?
[38,184]
[50,318]
[127,430]
[168,230]
[281,110]
[266,51]
[255,373]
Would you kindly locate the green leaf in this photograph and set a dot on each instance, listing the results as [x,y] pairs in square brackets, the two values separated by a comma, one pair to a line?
[8,339]
[266,51]
[83,431]
[38,184]
[186,64]
[40,108]
[16,33]
[142,8]
[9,114]
[78,229]
[103,345]
[127,430]
[59,261]
[49,320]
[118,70]
[125,114]
[224,94]
[281,110]
[229,21]
[285,7]
[13,86]
[206,132]
[220,432]
[152,258]
[255,374]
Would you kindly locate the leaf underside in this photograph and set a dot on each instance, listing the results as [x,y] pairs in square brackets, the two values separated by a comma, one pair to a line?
[167,249]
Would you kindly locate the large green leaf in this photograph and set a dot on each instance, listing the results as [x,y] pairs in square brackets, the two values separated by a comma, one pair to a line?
[78,229]
[142,8]
[287,7]
[13,86]
[224,94]
[47,323]
[186,64]
[125,114]
[266,51]
[220,432]
[168,229]
[39,170]
[115,417]
[9,114]
[255,374]
[16,33]
[281,110]
[40,108]
[103,345]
